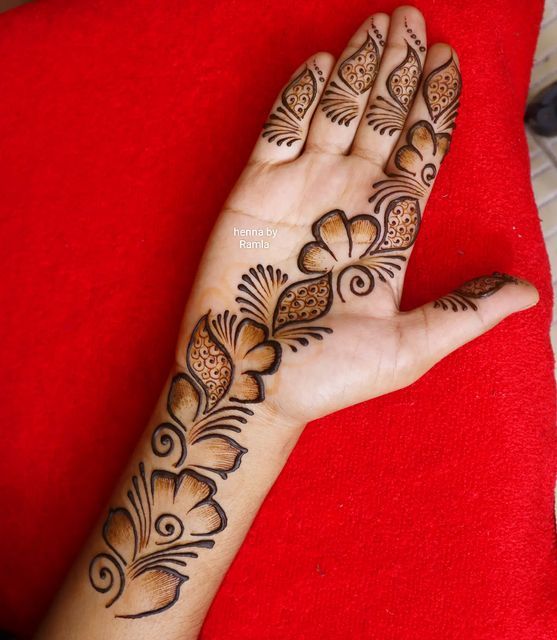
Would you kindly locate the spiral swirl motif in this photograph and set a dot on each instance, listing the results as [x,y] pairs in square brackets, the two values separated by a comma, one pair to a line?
[168,439]
[169,527]
[107,576]
[359,70]
[361,281]
[300,93]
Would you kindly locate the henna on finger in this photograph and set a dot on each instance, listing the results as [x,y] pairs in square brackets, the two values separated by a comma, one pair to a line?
[465,296]
[356,74]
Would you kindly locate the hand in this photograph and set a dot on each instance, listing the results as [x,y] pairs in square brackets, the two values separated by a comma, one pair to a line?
[274,337]
[342,173]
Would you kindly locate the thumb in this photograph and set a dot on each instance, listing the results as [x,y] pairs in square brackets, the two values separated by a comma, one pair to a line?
[440,327]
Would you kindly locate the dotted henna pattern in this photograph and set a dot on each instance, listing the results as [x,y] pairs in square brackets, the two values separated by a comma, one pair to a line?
[300,93]
[442,89]
[209,363]
[402,221]
[403,80]
[359,70]
[303,301]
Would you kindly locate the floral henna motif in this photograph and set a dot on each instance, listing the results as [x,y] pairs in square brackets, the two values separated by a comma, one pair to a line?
[283,125]
[416,165]
[463,298]
[357,74]
[388,116]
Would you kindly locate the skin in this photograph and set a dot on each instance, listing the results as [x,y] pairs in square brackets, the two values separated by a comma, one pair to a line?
[374,348]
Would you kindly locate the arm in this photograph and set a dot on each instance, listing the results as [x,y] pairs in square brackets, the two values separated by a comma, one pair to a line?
[275,337]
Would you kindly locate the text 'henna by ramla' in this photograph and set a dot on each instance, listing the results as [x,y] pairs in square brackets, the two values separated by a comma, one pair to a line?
[467,295]
[284,124]
[356,75]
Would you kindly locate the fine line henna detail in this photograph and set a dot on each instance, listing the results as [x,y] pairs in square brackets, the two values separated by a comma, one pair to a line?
[427,142]
[356,75]
[463,298]
[284,123]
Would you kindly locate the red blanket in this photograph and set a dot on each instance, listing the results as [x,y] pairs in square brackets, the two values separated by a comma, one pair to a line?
[123,125]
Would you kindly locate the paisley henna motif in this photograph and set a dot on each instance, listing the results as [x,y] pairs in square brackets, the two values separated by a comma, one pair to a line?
[357,74]
[463,298]
[388,115]
[283,125]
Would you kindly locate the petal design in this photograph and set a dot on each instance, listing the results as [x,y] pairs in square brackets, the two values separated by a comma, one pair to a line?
[152,591]
[183,400]
[422,137]
[217,453]
[248,335]
[263,358]
[182,495]
[442,89]
[119,533]
[363,232]
[402,221]
[300,93]
[315,258]
[303,301]
[331,230]
[359,70]
[209,363]
[408,159]
[247,387]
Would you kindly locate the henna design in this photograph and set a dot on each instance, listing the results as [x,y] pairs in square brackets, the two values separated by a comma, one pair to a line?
[388,116]
[284,124]
[171,514]
[414,37]
[441,92]
[463,298]
[415,175]
[357,73]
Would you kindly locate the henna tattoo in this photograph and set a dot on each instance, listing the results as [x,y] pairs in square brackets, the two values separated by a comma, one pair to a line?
[416,172]
[283,125]
[357,74]
[388,116]
[463,298]
[171,514]
[441,92]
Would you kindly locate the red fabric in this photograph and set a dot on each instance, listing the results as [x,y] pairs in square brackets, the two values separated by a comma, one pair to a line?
[424,514]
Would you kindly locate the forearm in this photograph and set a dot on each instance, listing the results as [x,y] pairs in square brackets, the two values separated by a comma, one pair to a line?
[136,561]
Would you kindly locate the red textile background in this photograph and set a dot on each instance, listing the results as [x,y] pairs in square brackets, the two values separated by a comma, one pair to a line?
[123,125]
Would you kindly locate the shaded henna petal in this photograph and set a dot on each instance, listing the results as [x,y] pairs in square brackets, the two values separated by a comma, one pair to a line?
[332,231]
[262,358]
[247,387]
[120,534]
[217,453]
[152,591]
[183,400]
[315,258]
[363,232]
[248,335]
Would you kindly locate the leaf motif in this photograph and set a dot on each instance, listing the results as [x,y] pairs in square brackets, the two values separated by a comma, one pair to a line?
[209,363]
[303,301]
[402,221]
[442,89]
[403,80]
[359,70]
[300,93]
